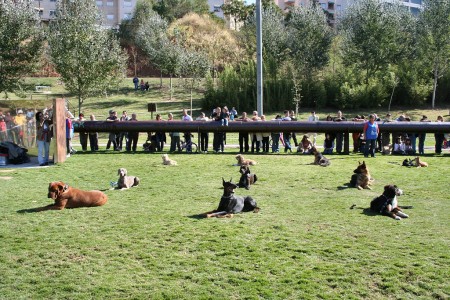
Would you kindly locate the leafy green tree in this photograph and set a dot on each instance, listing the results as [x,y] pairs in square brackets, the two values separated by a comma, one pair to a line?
[20,42]
[194,67]
[128,30]
[175,9]
[309,39]
[376,34]
[87,57]
[162,52]
[434,38]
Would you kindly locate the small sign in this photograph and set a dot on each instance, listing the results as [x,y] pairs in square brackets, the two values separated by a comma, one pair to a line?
[152,107]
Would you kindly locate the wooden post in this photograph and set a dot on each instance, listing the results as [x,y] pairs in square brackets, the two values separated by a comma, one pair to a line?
[59,129]
[346,142]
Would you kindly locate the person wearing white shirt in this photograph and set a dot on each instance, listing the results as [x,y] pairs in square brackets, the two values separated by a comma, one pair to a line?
[313,118]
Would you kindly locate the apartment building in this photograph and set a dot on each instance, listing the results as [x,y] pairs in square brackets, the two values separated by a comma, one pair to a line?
[335,9]
[113,11]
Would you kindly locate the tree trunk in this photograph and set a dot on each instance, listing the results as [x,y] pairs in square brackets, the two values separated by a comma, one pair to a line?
[79,104]
[436,76]
[170,87]
[191,103]
[160,81]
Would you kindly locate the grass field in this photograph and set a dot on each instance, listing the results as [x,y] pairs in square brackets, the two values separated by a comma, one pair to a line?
[147,242]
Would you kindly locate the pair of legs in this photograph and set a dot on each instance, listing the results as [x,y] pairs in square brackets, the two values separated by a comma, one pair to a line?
[43,152]
[370,147]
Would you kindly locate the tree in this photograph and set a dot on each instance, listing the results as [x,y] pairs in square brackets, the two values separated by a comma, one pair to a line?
[202,33]
[128,29]
[376,34]
[20,42]
[162,52]
[194,67]
[434,38]
[309,39]
[88,57]
[171,10]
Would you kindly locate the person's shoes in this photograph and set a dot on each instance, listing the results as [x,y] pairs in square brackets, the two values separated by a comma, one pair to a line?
[68,155]
[397,218]
[41,165]
[402,214]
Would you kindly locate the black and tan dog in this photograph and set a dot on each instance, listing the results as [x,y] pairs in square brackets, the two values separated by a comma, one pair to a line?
[319,159]
[387,203]
[247,178]
[361,179]
[231,204]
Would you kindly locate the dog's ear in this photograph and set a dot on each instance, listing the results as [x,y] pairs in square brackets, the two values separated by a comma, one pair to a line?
[231,179]
[223,181]
[66,187]
[118,172]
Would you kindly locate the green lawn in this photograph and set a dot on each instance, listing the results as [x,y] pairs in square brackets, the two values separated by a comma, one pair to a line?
[147,243]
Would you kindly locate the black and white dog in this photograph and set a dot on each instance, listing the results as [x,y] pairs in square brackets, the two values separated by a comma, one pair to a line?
[387,203]
[408,163]
[247,178]
[231,204]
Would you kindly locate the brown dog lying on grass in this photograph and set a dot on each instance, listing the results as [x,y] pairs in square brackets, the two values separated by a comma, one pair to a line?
[69,197]
[241,161]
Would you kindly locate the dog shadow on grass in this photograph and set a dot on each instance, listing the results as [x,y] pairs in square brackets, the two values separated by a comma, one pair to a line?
[364,210]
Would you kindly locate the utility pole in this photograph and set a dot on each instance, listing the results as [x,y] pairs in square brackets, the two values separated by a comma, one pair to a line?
[259,59]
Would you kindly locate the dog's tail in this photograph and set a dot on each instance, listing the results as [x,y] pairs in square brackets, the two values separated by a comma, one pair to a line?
[136,181]
[255,178]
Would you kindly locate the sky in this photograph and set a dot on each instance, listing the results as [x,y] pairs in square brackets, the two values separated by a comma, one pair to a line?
[248,2]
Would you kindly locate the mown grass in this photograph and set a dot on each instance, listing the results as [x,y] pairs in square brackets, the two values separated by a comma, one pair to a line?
[147,243]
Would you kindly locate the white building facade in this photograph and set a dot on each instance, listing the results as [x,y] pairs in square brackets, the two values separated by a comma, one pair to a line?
[113,11]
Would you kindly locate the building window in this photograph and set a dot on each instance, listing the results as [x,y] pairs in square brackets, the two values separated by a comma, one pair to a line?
[331,6]
[323,5]
[338,7]
[415,11]
[127,16]
[99,2]
[127,4]
[52,13]
[216,8]
[51,1]
[417,2]
[110,3]
[110,17]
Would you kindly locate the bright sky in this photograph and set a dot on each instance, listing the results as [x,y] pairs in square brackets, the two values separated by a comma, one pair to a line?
[248,2]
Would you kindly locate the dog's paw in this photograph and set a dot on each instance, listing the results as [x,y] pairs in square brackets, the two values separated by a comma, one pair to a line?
[397,218]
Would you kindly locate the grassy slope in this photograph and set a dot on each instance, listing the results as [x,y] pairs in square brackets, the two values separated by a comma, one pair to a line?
[304,244]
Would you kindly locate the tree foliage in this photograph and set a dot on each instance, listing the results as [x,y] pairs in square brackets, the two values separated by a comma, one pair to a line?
[88,57]
[128,31]
[376,34]
[201,33]
[309,38]
[171,10]
[434,38]
[20,42]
